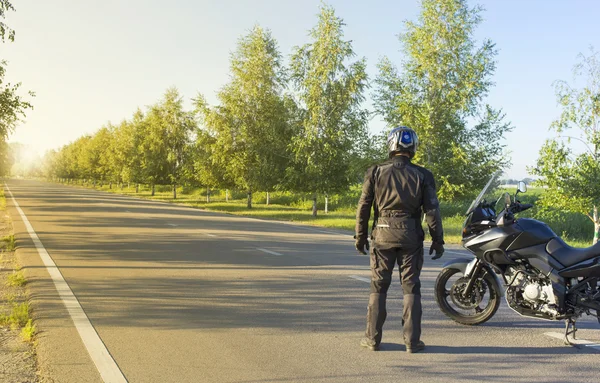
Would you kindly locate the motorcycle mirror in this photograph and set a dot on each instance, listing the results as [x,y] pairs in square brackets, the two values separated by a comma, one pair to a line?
[522,187]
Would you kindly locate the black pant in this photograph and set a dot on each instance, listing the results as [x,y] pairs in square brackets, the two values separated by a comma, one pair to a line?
[383,261]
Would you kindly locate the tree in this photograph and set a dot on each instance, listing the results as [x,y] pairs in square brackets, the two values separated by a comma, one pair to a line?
[5,31]
[12,106]
[205,165]
[333,124]
[570,175]
[166,132]
[122,149]
[249,131]
[444,81]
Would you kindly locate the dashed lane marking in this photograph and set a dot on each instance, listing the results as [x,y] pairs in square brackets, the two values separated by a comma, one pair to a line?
[359,278]
[269,251]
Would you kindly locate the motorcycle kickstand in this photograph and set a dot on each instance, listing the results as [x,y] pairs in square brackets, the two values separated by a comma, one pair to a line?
[570,323]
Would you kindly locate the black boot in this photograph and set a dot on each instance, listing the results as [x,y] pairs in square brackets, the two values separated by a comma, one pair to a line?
[376,314]
[370,344]
[411,349]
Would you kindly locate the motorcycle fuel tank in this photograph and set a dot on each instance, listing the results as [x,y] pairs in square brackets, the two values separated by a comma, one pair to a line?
[495,238]
[532,232]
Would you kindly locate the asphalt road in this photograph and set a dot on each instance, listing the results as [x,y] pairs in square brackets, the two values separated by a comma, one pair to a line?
[183,295]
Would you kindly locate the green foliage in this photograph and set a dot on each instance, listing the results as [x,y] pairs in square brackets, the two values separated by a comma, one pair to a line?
[571,175]
[5,31]
[166,130]
[245,139]
[12,104]
[333,125]
[18,316]
[16,279]
[10,244]
[444,81]
[29,331]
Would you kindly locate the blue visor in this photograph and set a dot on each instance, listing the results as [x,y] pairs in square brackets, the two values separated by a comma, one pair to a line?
[406,138]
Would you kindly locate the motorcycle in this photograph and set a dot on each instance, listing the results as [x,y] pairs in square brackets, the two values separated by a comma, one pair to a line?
[520,259]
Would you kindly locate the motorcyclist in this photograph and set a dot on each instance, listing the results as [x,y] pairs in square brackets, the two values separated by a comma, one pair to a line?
[399,192]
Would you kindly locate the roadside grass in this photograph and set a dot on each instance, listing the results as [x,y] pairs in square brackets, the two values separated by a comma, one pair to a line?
[15,310]
[575,229]
[9,242]
[16,279]
[17,317]
[29,331]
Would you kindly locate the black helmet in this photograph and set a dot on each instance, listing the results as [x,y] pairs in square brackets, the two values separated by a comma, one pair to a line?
[402,139]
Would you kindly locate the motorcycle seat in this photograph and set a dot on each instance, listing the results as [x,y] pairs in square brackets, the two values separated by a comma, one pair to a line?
[569,256]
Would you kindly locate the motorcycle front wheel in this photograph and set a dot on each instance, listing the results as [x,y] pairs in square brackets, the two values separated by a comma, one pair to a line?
[477,308]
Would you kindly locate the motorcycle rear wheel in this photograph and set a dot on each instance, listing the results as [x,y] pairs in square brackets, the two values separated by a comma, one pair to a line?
[471,314]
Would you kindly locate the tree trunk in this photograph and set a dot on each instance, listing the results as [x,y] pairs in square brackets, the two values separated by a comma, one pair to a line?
[174,191]
[207,194]
[94,183]
[122,185]
[153,190]
[268,199]
[110,185]
[249,206]
[326,204]
[137,188]
[596,225]
[314,207]
[226,195]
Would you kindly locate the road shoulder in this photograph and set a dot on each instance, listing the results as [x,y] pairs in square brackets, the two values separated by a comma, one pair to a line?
[61,354]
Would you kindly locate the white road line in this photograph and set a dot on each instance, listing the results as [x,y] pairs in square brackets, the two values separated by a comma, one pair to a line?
[269,251]
[210,235]
[364,279]
[106,365]
[457,253]
[578,342]
[172,224]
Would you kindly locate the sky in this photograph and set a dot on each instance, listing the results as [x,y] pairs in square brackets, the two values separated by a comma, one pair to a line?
[91,62]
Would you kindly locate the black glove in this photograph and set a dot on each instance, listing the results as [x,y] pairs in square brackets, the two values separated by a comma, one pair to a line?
[438,248]
[362,244]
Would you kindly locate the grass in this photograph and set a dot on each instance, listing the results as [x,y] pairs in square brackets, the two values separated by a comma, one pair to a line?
[29,331]
[18,316]
[16,279]
[576,229]
[9,242]
[15,311]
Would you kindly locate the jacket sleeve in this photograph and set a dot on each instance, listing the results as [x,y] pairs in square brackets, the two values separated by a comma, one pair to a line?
[365,203]
[431,208]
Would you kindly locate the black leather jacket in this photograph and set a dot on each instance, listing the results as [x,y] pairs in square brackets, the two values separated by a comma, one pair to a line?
[400,192]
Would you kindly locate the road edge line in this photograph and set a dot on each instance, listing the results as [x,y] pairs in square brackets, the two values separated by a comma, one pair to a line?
[104,362]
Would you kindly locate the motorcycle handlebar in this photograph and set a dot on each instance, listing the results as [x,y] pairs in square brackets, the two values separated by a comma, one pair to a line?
[519,207]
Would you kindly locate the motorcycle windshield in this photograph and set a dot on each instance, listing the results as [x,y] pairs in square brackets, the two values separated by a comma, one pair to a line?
[477,200]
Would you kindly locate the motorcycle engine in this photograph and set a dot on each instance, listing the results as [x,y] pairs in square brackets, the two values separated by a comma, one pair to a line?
[530,291]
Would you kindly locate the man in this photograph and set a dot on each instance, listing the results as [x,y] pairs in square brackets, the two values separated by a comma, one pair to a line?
[400,192]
